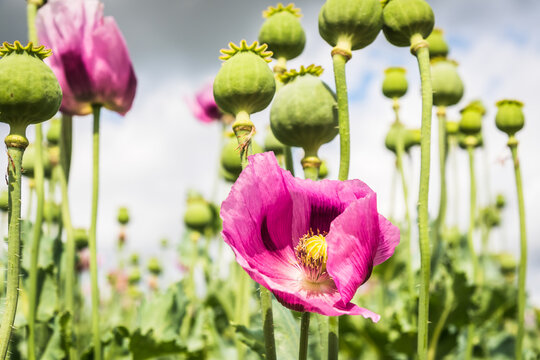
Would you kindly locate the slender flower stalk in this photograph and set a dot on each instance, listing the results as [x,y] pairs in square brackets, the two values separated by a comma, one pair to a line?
[419,47]
[333,337]
[40,195]
[339,60]
[513,144]
[92,243]
[440,222]
[304,333]
[15,146]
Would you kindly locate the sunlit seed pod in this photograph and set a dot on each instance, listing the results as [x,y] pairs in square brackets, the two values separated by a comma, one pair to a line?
[198,215]
[29,160]
[282,32]
[412,138]
[452,128]
[437,45]
[510,118]
[323,170]
[271,143]
[446,82]
[52,212]
[4,201]
[123,215]
[30,92]
[230,156]
[154,266]
[404,18]
[350,23]
[500,201]
[304,112]
[53,134]
[395,82]
[471,118]
[245,81]
[80,235]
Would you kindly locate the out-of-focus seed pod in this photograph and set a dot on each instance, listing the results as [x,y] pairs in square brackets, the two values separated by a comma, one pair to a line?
[323,170]
[500,201]
[52,212]
[29,160]
[398,132]
[80,236]
[404,18]
[452,128]
[134,259]
[471,118]
[475,140]
[510,118]
[134,276]
[271,143]
[395,82]
[53,134]
[4,201]
[154,266]
[447,85]
[123,215]
[437,45]
[198,215]
[282,31]
[230,158]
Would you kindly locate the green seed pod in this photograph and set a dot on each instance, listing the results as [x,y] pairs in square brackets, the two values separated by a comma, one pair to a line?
[154,267]
[509,118]
[395,83]
[134,259]
[437,45]
[29,159]
[4,201]
[198,215]
[134,276]
[282,31]
[408,136]
[244,82]
[471,118]
[273,144]
[123,216]
[30,92]
[447,85]
[507,263]
[452,128]
[490,216]
[350,24]
[53,154]
[52,212]
[323,170]
[230,157]
[412,138]
[304,113]
[53,134]
[404,18]
[80,236]
[500,201]
[464,140]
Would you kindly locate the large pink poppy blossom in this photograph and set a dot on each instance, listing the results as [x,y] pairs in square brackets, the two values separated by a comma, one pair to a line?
[203,106]
[90,56]
[311,243]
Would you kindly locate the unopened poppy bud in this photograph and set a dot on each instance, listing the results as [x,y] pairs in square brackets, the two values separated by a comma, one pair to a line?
[395,82]
[52,212]
[350,24]
[304,112]
[500,201]
[471,118]
[282,31]
[154,267]
[404,18]
[53,134]
[447,85]
[30,92]
[230,157]
[244,82]
[437,45]
[4,201]
[198,215]
[80,235]
[510,118]
[123,215]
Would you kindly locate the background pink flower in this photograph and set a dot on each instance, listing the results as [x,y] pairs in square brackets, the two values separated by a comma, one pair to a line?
[90,56]
[311,243]
[203,105]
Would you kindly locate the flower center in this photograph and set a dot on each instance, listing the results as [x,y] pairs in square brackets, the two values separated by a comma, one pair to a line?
[311,255]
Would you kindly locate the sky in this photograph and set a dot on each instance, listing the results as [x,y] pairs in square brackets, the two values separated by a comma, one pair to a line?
[153,155]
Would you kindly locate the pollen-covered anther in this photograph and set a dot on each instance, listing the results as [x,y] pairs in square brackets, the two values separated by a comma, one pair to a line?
[311,253]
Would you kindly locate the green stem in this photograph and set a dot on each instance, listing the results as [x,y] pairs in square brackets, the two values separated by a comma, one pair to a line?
[66,139]
[440,222]
[34,260]
[333,337]
[422,54]
[322,321]
[15,147]
[472,216]
[289,160]
[304,333]
[339,61]
[311,173]
[439,327]
[407,240]
[30,198]
[92,244]
[523,246]
[268,323]
[69,271]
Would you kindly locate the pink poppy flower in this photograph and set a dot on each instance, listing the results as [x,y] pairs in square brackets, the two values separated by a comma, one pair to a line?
[90,56]
[311,243]
[203,106]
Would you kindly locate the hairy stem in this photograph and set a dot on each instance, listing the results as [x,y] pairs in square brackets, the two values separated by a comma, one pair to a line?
[304,333]
[339,61]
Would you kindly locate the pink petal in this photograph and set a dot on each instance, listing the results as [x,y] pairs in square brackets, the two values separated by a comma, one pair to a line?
[389,241]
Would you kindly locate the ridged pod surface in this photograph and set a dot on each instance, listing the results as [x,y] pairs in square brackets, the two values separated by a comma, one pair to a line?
[30,92]
[354,21]
[282,32]
[446,82]
[404,18]
[304,112]
[395,82]
[244,82]
[510,118]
